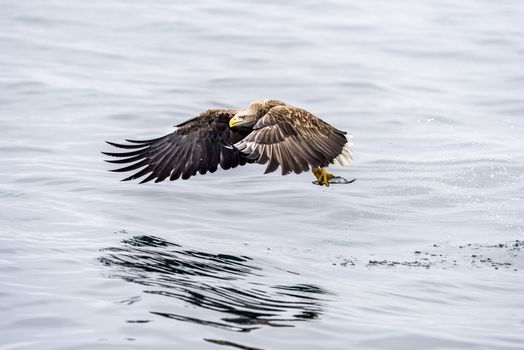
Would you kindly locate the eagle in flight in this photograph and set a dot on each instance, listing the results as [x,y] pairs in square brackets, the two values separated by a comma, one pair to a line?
[267,132]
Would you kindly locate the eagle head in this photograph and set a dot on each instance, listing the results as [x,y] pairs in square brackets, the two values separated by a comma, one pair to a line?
[248,117]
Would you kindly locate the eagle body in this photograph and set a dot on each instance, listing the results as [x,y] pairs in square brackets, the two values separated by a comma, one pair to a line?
[267,132]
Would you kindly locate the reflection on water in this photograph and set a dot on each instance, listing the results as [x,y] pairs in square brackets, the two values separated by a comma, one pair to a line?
[224,283]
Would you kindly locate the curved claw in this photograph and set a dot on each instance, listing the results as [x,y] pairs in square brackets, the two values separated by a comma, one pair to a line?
[323,176]
[326,177]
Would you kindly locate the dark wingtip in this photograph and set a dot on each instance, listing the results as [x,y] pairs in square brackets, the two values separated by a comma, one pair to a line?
[149,178]
[112,154]
[143,162]
[143,142]
[138,174]
[118,145]
[136,141]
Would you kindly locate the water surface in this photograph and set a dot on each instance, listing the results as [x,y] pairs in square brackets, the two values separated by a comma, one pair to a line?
[424,250]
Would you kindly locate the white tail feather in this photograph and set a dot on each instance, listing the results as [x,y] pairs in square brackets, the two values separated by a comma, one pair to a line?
[345,157]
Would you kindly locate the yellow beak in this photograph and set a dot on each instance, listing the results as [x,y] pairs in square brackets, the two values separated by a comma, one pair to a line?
[232,122]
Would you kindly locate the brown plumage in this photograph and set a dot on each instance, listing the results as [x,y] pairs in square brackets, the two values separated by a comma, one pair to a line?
[268,131]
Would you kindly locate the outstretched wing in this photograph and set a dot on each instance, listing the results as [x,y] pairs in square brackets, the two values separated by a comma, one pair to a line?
[196,145]
[294,139]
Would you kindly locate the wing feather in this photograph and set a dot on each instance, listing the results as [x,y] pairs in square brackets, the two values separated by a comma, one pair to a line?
[138,175]
[293,139]
[195,146]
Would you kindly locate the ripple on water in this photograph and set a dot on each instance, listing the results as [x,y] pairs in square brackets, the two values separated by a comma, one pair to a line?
[233,287]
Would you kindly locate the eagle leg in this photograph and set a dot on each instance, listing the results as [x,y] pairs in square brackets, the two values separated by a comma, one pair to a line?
[322,175]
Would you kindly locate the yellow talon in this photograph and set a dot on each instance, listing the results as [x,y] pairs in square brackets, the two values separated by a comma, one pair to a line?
[322,176]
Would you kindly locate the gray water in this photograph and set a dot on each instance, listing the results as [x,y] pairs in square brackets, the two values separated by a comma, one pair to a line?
[424,251]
